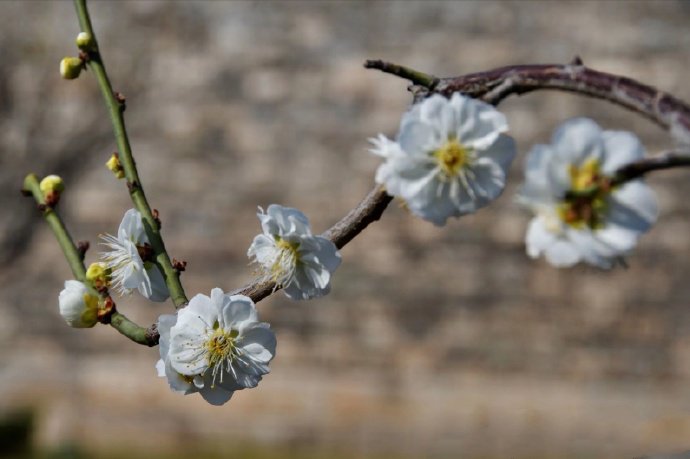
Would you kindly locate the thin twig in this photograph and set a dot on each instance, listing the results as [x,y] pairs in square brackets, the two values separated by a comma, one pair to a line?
[416,77]
[115,104]
[635,170]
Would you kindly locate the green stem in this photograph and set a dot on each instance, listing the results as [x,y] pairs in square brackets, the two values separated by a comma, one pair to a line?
[415,76]
[133,331]
[118,321]
[136,191]
[53,219]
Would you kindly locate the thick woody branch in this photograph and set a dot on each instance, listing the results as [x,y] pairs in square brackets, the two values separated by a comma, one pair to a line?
[495,85]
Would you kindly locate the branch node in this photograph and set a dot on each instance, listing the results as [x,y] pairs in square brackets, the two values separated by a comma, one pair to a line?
[82,247]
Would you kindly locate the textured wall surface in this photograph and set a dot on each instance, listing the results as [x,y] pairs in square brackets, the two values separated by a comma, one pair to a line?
[434,342]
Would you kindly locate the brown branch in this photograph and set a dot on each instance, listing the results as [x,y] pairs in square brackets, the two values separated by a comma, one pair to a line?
[495,85]
[635,170]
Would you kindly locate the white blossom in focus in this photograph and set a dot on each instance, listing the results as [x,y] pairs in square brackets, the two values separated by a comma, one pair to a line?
[215,346]
[178,382]
[288,254]
[449,159]
[78,306]
[599,228]
[129,271]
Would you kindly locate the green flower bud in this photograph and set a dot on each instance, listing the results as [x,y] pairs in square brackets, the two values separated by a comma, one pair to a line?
[85,41]
[115,167]
[51,184]
[70,67]
[98,275]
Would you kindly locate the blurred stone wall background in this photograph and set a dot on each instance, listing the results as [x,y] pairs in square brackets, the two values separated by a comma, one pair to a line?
[434,342]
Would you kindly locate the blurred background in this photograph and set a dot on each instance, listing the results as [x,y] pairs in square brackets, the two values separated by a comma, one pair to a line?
[434,342]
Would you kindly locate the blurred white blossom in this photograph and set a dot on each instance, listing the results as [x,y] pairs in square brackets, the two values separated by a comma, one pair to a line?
[450,157]
[579,218]
[288,254]
[124,259]
[215,346]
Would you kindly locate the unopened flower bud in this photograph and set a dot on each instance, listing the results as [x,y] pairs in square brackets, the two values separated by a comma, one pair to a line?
[70,67]
[51,186]
[99,275]
[78,306]
[115,166]
[85,41]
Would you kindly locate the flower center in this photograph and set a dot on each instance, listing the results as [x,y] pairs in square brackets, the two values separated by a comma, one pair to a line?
[221,350]
[584,210]
[284,265]
[584,176]
[451,157]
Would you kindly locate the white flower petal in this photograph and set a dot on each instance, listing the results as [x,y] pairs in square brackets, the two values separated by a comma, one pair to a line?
[215,396]
[577,140]
[502,152]
[621,148]
[634,205]
[480,123]
[562,254]
[417,138]
[259,343]
[159,290]
[132,228]
[239,312]
[622,239]
[538,238]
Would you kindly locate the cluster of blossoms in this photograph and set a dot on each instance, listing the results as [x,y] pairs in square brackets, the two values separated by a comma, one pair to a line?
[215,345]
[450,158]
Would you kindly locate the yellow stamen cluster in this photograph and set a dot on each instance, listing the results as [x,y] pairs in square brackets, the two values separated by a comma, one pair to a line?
[221,350]
[451,157]
[586,210]
[284,265]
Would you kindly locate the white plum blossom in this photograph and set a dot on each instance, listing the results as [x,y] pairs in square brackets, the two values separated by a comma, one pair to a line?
[449,159]
[129,271]
[215,346]
[578,216]
[288,254]
[78,306]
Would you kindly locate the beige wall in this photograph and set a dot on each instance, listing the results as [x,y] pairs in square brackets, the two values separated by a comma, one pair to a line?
[434,342]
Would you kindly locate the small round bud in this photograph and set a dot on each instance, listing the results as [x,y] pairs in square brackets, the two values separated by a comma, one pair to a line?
[52,183]
[70,67]
[98,275]
[85,41]
[115,166]
[51,186]
[78,306]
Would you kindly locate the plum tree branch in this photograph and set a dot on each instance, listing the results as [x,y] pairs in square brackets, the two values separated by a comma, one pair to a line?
[115,105]
[138,334]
